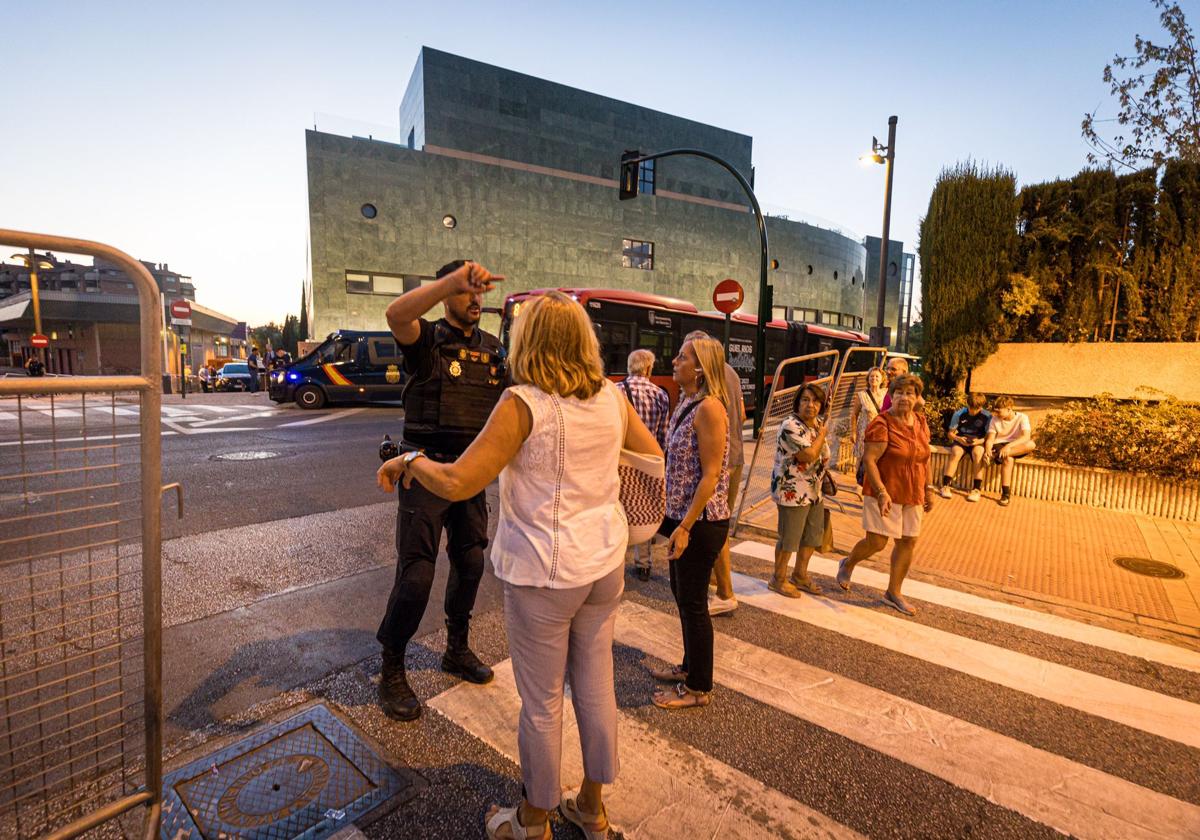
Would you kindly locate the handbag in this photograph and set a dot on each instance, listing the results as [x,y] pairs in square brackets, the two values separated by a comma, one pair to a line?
[828,485]
[643,493]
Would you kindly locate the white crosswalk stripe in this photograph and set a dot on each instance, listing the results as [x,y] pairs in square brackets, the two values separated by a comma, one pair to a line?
[697,795]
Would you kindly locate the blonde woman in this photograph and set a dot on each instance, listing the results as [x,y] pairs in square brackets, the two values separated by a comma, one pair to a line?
[697,519]
[554,439]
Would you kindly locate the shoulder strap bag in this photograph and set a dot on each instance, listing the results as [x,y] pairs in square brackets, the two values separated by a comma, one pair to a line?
[643,493]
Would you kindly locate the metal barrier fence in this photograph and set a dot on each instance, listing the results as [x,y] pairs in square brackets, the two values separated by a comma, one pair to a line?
[80,586]
[753,508]
[851,378]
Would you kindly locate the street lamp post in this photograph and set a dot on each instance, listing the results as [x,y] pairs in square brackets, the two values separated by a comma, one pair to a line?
[630,163]
[887,156]
[33,262]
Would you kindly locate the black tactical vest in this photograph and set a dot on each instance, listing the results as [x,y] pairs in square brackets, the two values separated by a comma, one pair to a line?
[450,399]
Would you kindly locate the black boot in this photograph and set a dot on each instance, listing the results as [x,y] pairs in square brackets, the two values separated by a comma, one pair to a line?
[459,660]
[396,698]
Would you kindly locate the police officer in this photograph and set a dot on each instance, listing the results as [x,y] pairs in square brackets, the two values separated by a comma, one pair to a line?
[456,374]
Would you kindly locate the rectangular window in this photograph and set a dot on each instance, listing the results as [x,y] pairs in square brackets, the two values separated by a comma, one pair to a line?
[383,351]
[779,313]
[637,254]
[829,318]
[358,284]
[389,285]
[646,177]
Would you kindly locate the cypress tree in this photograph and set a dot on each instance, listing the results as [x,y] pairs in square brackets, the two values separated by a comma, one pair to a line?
[967,244]
[303,329]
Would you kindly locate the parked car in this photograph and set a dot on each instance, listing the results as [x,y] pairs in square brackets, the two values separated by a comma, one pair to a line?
[348,366]
[233,376]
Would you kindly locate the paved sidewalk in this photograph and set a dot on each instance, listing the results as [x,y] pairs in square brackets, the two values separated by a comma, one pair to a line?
[1053,552]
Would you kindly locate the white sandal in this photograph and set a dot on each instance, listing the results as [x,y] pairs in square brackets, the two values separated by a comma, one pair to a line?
[570,810]
[511,816]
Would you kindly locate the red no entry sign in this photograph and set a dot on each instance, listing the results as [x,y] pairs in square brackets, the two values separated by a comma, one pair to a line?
[181,309]
[728,296]
[39,340]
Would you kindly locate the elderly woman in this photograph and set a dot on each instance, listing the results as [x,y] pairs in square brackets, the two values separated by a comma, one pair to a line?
[801,459]
[867,404]
[652,405]
[554,439]
[697,520]
[896,492]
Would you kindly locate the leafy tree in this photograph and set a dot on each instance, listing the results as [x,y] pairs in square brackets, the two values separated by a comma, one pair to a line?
[1158,93]
[1170,293]
[290,334]
[268,335]
[967,243]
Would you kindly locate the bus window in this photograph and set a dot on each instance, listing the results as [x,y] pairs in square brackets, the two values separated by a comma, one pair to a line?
[776,349]
[616,343]
[662,345]
[344,351]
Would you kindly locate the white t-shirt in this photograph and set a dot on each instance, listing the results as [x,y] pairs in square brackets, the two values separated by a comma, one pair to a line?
[561,523]
[1006,431]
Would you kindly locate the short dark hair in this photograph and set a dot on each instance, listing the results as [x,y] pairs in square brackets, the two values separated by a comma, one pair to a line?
[906,380]
[976,400]
[449,268]
[816,390]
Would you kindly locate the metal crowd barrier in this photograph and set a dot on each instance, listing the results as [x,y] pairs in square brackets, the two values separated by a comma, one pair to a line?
[80,586]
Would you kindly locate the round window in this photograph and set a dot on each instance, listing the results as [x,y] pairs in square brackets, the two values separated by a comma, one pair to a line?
[449,222]
[835,275]
[369,211]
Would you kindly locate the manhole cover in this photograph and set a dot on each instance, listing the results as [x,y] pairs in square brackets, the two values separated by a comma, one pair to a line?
[1149,568]
[303,778]
[250,455]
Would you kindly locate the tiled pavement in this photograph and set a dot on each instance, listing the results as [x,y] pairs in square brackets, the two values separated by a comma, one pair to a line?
[1050,551]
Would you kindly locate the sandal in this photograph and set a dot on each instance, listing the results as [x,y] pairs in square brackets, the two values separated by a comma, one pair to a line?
[674,673]
[582,821]
[806,585]
[898,604]
[784,588]
[681,697]
[511,817]
[843,574]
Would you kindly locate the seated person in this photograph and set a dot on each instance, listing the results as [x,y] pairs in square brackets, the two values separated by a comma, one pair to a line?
[967,429]
[1009,437]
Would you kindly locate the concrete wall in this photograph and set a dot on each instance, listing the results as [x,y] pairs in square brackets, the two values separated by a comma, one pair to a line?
[540,227]
[1084,370]
[476,107]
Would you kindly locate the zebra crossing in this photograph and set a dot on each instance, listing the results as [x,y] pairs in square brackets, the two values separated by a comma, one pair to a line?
[833,717]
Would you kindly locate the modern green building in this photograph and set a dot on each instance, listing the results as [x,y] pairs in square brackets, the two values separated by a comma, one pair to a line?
[520,174]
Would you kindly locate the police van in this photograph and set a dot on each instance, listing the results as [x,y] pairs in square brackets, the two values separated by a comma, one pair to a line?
[348,366]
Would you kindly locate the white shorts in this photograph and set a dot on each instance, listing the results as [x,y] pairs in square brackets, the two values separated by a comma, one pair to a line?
[902,520]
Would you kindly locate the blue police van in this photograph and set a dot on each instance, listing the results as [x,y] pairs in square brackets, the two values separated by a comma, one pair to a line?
[348,366]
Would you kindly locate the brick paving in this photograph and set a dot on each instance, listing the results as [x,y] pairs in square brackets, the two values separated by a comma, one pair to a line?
[1060,552]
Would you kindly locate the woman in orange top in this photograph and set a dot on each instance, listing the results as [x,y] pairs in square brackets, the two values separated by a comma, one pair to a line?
[897,492]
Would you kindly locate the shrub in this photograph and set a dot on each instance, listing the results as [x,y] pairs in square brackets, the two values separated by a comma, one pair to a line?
[938,410]
[1160,438]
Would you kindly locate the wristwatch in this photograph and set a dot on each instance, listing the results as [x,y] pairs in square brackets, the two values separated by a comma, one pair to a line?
[409,457]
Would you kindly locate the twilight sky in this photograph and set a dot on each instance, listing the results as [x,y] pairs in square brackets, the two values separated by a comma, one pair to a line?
[176,131]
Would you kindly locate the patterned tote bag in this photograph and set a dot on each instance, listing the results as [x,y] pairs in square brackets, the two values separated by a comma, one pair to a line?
[643,492]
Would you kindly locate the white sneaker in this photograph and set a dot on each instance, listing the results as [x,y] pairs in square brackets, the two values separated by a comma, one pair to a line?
[717,606]
[973,496]
[946,492]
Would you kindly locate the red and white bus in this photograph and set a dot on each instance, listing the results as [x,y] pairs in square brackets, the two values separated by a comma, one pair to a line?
[625,321]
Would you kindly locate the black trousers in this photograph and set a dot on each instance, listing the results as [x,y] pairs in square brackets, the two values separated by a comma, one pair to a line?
[689,584]
[419,524]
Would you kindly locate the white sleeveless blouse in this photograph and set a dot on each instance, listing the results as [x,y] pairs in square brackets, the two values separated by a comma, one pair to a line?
[561,524]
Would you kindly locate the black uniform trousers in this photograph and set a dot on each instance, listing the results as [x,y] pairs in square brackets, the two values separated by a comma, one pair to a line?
[419,524]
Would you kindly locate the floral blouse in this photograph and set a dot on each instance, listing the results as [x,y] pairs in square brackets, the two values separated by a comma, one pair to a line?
[683,467]
[793,484]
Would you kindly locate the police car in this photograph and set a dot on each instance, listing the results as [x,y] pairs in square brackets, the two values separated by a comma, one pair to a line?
[348,366]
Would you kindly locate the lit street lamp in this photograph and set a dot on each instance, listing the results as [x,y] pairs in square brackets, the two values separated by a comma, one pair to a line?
[885,155]
[33,262]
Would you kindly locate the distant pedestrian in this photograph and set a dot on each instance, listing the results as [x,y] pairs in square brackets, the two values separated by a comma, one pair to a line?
[801,461]
[697,520]
[967,430]
[34,366]
[1009,438]
[897,492]
[203,375]
[866,406]
[653,406]
[555,439]
[252,369]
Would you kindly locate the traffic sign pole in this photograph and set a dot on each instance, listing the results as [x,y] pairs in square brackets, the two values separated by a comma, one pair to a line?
[727,297]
